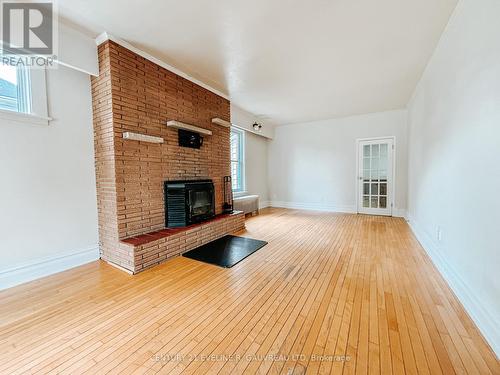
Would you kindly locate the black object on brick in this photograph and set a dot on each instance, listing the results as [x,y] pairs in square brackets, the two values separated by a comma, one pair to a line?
[190,139]
[226,251]
[227,206]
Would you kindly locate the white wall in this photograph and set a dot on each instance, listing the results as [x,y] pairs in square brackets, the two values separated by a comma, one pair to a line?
[256,155]
[313,165]
[48,207]
[76,50]
[454,178]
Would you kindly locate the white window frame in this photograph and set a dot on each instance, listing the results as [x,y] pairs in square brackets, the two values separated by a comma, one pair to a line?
[241,134]
[38,114]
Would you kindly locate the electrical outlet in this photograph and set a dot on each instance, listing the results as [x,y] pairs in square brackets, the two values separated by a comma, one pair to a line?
[439,234]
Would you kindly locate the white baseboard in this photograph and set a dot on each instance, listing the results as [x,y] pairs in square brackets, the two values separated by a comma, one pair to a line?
[263,204]
[399,212]
[47,266]
[488,324]
[313,207]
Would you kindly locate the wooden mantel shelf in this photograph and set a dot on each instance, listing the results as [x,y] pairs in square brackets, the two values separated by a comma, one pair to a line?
[221,122]
[142,137]
[191,128]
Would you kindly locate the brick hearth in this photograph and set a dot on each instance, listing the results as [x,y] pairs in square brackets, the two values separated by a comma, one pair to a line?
[154,248]
[132,94]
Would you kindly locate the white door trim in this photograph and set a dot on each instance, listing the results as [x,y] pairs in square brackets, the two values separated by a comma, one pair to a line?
[393,183]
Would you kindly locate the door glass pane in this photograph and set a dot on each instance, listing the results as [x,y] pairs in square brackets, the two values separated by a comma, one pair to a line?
[374,164]
[366,163]
[383,202]
[366,189]
[382,162]
[366,201]
[374,175]
[366,175]
[383,189]
[366,151]
[383,174]
[374,202]
[375,151]
[374,189]
[383,150]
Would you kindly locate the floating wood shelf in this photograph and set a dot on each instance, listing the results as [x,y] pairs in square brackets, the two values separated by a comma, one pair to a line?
[191,128]
[221,122]
[142,137]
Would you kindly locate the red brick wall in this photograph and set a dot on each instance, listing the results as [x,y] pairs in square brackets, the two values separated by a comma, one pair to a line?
[104,149]
[133,94]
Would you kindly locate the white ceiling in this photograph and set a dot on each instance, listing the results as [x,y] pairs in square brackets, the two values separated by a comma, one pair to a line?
[284,60]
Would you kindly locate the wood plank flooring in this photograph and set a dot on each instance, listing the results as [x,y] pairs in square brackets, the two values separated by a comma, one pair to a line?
[330,294]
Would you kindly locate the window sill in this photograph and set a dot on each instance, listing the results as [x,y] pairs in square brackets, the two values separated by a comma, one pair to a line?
[28,118]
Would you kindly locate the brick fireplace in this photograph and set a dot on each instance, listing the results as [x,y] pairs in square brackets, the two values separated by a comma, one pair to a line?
[132,94]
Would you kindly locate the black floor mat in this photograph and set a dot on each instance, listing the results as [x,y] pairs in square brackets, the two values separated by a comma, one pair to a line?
[226,251]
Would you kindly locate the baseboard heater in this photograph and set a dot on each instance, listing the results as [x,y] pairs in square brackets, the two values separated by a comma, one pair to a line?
[247,204]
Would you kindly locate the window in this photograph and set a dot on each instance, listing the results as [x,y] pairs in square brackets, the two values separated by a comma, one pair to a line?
[237,160]
[15,89]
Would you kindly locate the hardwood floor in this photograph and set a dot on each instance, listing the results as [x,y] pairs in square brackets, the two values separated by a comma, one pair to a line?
[330,293]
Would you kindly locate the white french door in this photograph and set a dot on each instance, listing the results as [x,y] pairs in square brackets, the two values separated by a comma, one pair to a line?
[375,176]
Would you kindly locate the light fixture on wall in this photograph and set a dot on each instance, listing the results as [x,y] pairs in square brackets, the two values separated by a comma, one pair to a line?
[257,127]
